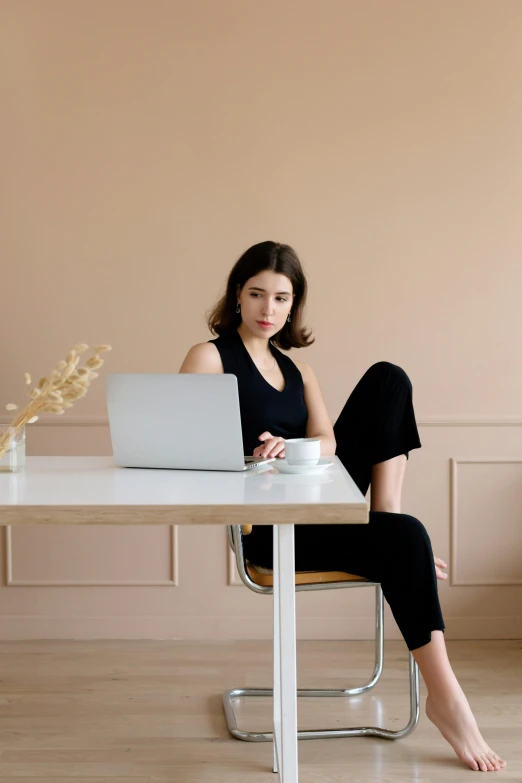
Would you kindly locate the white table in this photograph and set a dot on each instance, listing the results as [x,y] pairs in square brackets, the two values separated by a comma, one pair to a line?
[92,491]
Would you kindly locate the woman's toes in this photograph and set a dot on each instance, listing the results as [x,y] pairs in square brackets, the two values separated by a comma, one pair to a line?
[483,765]
[496,760]
[500,761]
[477,764]
[493,761]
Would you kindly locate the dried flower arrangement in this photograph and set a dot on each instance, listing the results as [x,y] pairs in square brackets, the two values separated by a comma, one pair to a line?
[54,394]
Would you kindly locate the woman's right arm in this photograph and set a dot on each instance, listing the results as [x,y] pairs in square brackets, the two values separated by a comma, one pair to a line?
[202,358]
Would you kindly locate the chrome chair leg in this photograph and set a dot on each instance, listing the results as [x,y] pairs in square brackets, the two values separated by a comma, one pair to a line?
[362,731]
[370,731]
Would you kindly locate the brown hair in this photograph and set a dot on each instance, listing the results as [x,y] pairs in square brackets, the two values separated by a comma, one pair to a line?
[278,258]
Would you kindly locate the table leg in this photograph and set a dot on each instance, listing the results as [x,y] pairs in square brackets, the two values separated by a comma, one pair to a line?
[284,597]
[276,657]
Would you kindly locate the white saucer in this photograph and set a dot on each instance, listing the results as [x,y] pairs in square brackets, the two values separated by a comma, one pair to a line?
[282,466]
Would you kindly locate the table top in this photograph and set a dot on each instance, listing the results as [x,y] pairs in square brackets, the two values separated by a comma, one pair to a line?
[92,490]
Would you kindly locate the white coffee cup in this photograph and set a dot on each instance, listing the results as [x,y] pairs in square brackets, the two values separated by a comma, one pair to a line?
[303,451]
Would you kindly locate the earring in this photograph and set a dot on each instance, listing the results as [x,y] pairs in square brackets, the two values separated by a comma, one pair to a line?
[288,319]
[238,308]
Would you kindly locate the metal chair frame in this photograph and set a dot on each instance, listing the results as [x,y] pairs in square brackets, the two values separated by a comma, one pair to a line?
[235,538]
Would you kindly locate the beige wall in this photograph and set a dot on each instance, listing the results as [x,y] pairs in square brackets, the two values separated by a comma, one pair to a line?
[146,144]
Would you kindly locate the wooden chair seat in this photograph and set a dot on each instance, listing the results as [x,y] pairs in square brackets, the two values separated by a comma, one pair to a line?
[264,576]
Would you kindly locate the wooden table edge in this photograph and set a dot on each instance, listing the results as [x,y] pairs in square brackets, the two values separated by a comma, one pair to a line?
[235,514]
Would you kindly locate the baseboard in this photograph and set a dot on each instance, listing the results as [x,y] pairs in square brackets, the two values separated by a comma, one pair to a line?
[227,628]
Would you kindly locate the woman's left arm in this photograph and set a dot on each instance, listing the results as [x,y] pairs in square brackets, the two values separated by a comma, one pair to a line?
[319,424]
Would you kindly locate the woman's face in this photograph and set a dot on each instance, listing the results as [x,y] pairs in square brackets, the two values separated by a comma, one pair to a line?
[266,301]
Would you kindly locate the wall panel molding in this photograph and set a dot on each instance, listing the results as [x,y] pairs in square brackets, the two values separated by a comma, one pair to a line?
[436,420]
[469,421]
[454,554]
[63,421]
[173,581]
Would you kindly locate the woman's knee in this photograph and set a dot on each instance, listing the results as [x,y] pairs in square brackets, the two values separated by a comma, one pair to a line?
[403,528]
[414,534]
[388,371]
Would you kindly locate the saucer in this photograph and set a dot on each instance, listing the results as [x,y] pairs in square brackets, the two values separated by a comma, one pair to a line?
[282,466]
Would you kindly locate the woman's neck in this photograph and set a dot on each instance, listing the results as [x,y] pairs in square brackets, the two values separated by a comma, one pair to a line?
[257,347]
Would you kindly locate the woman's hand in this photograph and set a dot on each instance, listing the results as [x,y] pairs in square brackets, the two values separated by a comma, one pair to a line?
[272,446]
[439,565]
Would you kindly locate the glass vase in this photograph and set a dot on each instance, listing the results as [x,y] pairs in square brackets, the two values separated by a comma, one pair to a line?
[13,461]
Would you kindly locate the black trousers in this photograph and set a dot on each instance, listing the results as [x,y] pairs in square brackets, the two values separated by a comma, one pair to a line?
[376,424]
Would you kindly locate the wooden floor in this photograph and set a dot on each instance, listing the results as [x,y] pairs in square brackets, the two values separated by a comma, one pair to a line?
[150,712]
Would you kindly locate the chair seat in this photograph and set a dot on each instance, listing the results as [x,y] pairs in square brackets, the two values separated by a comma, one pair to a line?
[264,576]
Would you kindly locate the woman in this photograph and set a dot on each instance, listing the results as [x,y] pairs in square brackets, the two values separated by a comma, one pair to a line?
[280,398]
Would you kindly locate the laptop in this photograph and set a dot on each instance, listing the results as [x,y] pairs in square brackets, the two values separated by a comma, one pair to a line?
[181,422]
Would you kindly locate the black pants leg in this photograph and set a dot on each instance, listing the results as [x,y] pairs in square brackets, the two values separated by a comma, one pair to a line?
[376,424]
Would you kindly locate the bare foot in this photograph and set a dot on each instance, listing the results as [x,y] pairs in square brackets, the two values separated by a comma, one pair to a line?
[458,726]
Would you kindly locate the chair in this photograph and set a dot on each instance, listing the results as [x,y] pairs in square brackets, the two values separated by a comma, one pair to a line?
[260,581]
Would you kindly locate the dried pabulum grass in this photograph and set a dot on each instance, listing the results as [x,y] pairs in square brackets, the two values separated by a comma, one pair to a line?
[66,383]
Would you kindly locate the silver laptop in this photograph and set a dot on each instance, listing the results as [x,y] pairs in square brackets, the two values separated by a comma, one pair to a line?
[188,422]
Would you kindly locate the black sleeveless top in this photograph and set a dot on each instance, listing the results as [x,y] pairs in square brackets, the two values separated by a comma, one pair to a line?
[262,407]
